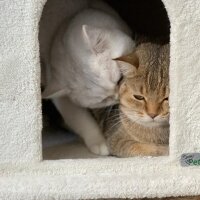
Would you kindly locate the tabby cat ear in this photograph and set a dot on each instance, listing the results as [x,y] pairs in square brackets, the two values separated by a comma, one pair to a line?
[128,64]
[95,38]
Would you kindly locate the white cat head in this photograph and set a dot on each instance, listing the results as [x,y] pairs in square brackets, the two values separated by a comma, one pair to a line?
[97,82]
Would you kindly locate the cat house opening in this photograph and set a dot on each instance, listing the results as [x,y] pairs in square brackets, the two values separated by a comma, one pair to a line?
[146,18]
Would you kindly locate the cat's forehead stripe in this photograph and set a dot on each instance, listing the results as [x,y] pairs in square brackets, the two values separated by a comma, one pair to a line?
[154,61]
[142,90]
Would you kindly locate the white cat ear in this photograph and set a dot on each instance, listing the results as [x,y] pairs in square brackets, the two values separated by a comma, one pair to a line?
[53,91]
[95,38]
[128,64]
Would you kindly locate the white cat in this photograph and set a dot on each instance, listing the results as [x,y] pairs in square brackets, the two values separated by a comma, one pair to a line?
[82,73]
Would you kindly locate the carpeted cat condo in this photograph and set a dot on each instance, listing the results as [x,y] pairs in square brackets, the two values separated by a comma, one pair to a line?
[23,173]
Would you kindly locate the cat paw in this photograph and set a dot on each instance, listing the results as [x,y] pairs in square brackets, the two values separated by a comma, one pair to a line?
[99,149]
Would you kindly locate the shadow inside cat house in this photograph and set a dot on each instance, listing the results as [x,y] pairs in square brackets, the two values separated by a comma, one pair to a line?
[72,32]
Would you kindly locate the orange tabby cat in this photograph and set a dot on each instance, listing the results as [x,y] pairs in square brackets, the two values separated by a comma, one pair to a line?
[139,125]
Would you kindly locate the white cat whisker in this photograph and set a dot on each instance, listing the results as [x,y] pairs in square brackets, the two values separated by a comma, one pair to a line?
[113,117]
[114,126]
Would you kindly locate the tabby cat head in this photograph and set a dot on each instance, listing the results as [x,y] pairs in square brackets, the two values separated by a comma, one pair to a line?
[144,90]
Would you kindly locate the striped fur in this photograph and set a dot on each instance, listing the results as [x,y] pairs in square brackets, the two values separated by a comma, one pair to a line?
[128,127]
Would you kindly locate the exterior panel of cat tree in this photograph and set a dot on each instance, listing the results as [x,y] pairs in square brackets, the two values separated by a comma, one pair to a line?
[22,173]
[20,99]
[184,17]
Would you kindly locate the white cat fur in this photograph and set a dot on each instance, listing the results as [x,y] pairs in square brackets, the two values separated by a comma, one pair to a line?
[82,72]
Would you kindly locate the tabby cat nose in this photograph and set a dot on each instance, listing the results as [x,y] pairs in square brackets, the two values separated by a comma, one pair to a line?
[152,115]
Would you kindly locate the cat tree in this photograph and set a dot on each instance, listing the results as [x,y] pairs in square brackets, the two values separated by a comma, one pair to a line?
[23,173]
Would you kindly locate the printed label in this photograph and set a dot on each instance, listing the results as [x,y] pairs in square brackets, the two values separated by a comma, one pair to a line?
[190,159]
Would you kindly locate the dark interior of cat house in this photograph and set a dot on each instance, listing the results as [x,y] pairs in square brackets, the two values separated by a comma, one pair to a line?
[147,18]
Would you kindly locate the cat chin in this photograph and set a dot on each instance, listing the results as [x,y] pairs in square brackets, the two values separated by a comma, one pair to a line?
[147,121]
[151,124]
